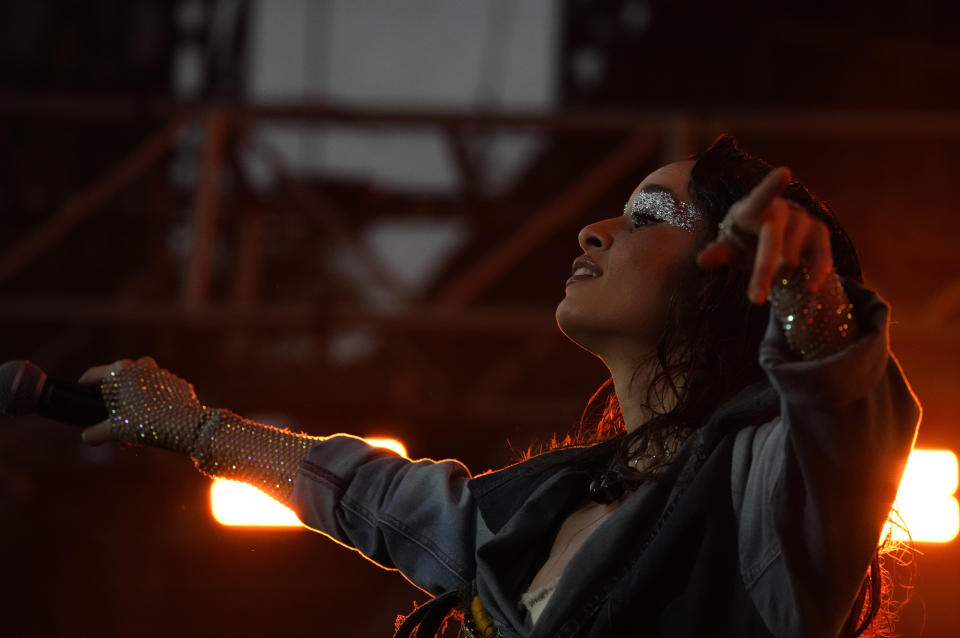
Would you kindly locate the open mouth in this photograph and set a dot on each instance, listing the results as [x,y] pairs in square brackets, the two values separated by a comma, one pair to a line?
[582,274]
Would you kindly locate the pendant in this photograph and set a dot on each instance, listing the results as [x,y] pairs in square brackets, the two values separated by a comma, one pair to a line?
[606,489]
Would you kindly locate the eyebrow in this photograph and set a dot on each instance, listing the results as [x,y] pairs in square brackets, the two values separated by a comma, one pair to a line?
[658,188]
[655,188]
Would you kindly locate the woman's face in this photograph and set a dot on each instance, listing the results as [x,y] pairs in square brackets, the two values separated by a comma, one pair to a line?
[636,259]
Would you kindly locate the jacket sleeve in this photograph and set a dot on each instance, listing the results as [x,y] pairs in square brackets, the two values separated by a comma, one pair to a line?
[414,516]
[813,488]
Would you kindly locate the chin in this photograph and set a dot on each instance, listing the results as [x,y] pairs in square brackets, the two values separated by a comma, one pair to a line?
[608,334]
[562,316]
[574,325]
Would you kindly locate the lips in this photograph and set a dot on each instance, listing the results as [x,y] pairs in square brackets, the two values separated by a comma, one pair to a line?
[584,268]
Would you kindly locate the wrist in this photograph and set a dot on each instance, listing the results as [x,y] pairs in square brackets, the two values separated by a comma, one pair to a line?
[815,324]
[266,457]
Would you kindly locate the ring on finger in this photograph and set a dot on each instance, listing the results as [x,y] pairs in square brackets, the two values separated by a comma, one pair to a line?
[729,232]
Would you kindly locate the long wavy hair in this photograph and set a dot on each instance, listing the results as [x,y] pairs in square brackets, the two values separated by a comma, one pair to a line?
[708,352]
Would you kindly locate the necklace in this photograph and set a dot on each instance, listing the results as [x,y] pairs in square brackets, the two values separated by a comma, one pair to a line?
[608,487]
[635,461]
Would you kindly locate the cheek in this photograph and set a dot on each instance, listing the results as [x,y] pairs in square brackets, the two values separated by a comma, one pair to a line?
[650,277]
[656,265]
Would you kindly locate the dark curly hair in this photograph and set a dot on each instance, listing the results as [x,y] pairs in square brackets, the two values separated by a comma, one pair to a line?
[708,352]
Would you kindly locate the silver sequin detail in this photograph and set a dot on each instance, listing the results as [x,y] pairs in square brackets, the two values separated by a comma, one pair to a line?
[815,324]
[663,206]
[152,406]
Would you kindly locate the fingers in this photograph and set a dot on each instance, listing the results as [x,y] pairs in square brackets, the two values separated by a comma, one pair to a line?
[807,241]
[97,434]
[748,212]
[95,375]
[795,238]
[820,257]
[787,236]
[103,432]
[746,218]
[769,250]
[716,254]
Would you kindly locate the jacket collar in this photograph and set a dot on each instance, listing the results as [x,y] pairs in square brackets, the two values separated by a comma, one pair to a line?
[499,494]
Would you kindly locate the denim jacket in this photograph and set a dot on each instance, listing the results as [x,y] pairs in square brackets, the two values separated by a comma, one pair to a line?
[766,529]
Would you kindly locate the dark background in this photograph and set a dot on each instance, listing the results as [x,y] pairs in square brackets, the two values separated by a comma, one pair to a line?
[861,99]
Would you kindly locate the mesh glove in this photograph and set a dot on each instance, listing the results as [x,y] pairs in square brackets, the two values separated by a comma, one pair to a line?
[815,324]
[151,406]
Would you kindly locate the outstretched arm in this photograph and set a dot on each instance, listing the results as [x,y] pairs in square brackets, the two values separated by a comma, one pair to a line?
[417,517]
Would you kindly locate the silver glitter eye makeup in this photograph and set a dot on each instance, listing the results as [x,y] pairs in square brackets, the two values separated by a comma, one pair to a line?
[661,205]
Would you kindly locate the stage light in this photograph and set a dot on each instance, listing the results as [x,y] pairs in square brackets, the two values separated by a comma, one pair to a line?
[238,504]
[925,501]
[390,444]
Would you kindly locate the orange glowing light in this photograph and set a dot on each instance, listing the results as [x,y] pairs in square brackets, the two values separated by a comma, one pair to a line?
[238,504]
[925,501]
[390,444]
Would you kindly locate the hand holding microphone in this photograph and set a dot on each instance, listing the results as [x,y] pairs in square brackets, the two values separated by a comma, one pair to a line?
[26,389]
[146,405]
[138,402]
[127,401]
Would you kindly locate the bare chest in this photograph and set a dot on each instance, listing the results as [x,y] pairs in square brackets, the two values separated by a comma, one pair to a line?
[571,536]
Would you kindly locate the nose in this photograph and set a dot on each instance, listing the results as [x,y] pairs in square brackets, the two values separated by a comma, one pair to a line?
[595,235]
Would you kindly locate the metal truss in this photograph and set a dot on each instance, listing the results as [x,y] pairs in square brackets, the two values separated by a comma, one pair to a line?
[450,311]
[673,134]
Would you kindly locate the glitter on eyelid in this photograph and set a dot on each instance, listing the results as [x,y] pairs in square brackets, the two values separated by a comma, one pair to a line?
[665,208]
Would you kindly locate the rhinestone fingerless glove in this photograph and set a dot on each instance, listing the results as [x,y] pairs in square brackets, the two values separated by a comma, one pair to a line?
[815,324]
[151,406]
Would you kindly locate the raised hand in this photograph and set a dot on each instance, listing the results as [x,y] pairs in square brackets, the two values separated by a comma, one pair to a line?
[783,234]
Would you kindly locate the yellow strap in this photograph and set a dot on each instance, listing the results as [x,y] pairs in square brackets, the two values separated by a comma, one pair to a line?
[480,617]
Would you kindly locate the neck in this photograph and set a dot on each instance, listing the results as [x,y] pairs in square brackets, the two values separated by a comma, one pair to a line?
[632,385]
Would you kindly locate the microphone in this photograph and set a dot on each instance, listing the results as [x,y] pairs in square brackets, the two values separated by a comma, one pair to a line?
[26,389]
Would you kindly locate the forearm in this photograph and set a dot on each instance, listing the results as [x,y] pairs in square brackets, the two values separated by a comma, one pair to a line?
[229,446]
[814,324]
[816,484]
[849,420]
